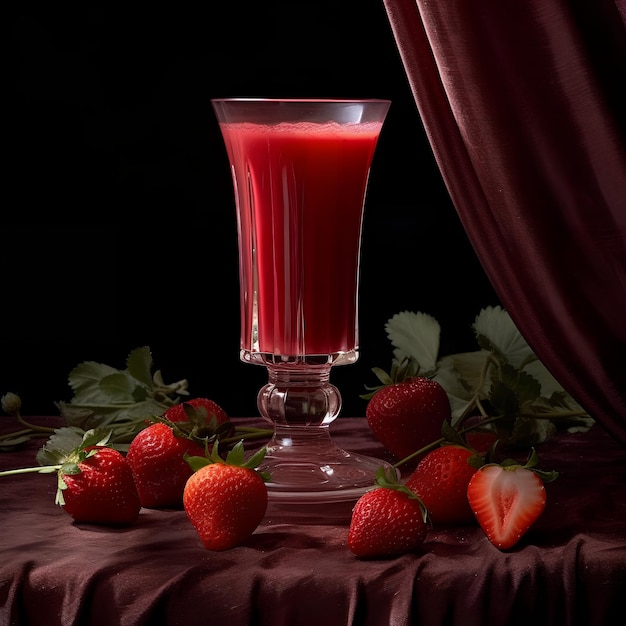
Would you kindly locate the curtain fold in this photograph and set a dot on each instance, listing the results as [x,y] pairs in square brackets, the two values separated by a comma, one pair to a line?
[524,109]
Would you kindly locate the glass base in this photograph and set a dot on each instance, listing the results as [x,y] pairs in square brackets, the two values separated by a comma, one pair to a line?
[305,467]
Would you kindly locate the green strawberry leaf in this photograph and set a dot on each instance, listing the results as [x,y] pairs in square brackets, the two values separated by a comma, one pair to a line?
[60,446]
[528,430]
[85,379]
[61,486]
[255,460]
[139,364]
[382,376]
[67,445]
[197,462]
[460,376]
[547,383]
[504,399]
[236,456]
[531,464]
[502,384]
[496,332]
[121,399]
[451,435]
[117,387]
[415,336]
[70,469]
[96,437]
[526,387]
[388,479]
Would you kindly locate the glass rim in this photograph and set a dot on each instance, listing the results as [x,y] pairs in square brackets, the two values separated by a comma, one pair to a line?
[305,100]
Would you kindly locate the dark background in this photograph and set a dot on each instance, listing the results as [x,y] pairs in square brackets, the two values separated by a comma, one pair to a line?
[118,225]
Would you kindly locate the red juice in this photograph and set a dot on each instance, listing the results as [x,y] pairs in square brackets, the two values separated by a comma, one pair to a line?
[300,190]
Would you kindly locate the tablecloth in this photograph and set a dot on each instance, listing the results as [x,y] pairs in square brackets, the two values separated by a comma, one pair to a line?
[570,568]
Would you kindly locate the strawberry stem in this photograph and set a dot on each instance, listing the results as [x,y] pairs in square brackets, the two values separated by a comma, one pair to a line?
[42,469]
[34,427]
[439,441]
[474,401]
[17,433]
[247,433]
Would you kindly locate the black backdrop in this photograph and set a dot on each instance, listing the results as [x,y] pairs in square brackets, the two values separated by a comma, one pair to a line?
[118,227]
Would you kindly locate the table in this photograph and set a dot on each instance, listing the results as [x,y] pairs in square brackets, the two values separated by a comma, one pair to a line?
[570,568]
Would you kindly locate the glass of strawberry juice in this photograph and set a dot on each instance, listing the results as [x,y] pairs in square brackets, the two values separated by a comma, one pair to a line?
[300,170]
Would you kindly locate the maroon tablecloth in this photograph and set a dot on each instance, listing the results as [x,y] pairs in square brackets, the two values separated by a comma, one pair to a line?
[569,569]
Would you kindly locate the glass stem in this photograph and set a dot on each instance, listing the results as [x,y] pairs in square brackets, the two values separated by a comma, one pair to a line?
[299,396]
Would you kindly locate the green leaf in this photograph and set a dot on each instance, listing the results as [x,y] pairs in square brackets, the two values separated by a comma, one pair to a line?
[96,437]
[460,376]
[236,456]
[382,376]
[467,366]
[140,394]
[139,364]
[496,332]
[504,399]
[549,385]
[527,389]
[451,434]
[70,469]
[415,335]
[87,375]
[528,430]
[117,388]
[502,384]
[196,462]
[387,478]
[123,400]
[61,486]
[255,460]
[60,445]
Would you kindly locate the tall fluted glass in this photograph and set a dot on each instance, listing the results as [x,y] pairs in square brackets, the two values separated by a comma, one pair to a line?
[300,170]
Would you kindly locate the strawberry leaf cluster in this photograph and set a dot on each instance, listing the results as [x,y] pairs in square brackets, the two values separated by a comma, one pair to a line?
[66,450]
[502,384]
[236,457]
[119,399]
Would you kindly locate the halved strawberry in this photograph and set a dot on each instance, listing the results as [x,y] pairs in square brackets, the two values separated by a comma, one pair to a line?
[507,499]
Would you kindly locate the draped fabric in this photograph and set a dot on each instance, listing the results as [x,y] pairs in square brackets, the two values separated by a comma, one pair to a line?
[524,106]
[569,569]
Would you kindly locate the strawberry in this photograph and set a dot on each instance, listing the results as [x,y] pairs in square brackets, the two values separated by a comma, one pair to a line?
[481,440]
[156,458]
[156,454]
[99,489]
[225,499]
[407,415]
[507,499]
[388,520]
[211,409]
[95,483]
[441,479]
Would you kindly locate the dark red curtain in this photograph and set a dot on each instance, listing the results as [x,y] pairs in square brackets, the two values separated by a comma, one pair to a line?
[523,103]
